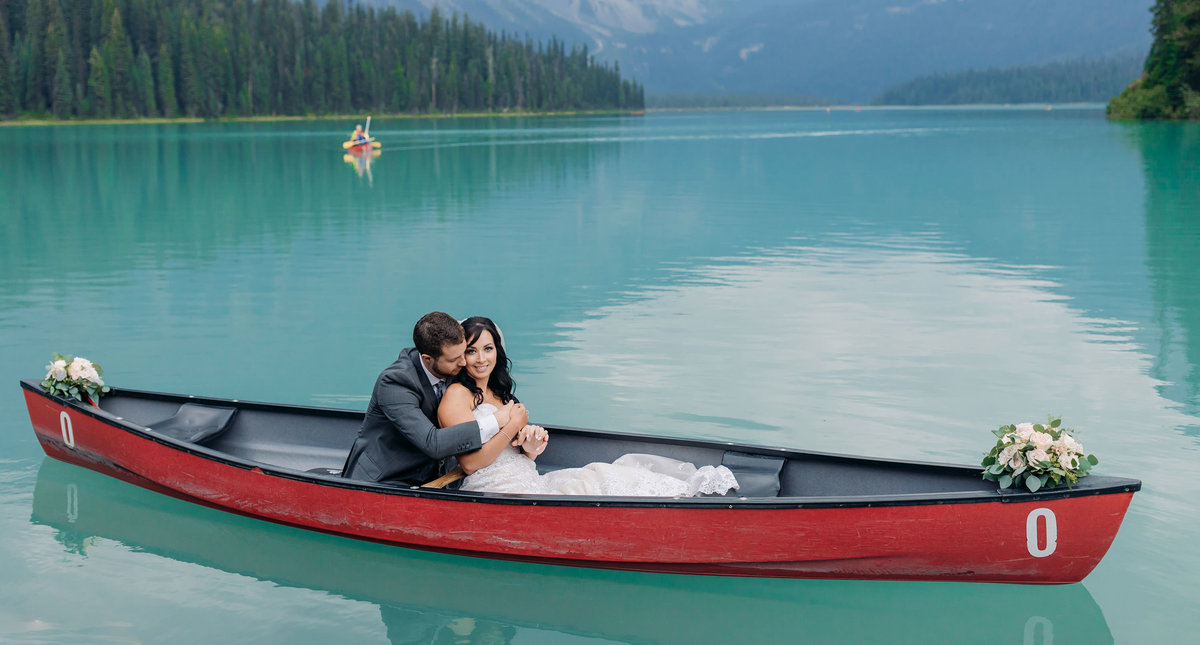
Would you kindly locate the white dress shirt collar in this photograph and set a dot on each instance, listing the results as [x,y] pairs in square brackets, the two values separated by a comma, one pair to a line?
[489,426]
[433,380]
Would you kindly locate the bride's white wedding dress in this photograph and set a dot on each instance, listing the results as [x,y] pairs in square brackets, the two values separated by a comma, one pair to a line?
[632,475]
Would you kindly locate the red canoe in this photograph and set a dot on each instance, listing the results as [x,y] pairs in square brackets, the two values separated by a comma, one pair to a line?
[798,514]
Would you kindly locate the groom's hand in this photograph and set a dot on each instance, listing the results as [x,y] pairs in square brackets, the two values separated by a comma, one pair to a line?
[518,417]
[504,414]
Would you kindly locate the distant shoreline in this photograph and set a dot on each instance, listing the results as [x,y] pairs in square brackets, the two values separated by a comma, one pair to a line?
[315,117]
[38,122]
[861,108]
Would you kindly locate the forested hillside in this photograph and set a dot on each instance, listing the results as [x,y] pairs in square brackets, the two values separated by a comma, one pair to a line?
[852,50]
[214,58]
[1068,82]
[1169,87]
[731,100]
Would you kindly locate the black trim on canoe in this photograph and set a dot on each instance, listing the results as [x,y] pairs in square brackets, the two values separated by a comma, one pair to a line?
[1088,486]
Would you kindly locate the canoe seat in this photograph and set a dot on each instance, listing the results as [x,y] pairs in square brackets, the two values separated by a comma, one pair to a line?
[757,475]
[195,423]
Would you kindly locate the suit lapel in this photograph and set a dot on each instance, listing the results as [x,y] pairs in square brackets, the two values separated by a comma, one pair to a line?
[428,398]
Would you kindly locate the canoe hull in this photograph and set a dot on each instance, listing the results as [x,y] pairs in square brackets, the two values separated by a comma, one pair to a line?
[1041,541]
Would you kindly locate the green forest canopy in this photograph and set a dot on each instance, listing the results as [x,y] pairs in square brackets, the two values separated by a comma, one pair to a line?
[218,58]
[1169,87]
[701,100]
[1079,81]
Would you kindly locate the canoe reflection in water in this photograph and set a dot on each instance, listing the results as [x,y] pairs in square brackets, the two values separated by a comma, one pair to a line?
[434,598]
[360,159]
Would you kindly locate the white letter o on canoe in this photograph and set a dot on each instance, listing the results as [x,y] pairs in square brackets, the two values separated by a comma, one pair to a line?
[68,432]
[1031,532]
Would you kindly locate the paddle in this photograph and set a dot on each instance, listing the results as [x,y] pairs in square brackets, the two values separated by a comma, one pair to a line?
[351,144]
[452,476]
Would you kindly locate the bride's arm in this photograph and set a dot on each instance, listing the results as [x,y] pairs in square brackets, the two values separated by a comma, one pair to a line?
[456,408]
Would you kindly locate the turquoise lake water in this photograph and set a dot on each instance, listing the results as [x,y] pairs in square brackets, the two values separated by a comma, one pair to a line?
[893,283]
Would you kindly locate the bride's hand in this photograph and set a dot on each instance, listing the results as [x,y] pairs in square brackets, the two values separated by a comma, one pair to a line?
[532,439]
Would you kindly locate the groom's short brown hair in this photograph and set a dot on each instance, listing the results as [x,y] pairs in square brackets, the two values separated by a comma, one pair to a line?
[434,331]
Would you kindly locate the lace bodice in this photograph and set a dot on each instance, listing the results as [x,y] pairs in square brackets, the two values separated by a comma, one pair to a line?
[631,475]
[511,472]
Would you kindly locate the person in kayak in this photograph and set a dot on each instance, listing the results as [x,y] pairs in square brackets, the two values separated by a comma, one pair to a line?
[358,136]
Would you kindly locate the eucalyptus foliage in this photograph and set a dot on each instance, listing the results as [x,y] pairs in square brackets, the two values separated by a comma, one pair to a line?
[1036,456]
[74,377]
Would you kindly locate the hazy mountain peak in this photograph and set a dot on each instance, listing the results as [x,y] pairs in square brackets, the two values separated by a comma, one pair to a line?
[633,16]
[594,16]
[848,49]
[909,8]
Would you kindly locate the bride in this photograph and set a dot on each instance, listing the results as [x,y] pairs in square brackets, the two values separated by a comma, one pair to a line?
[505,464]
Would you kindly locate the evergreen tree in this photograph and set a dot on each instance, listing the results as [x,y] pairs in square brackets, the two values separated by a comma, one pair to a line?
[145,80]
[8,103]
[118,55]
[192,86]
[78,16]
[53,43]
[34,72]
[166,81]
[400,94]
[1170,84]
[64,99]
[103,20]
[261,84]
[22,66]
[99,95]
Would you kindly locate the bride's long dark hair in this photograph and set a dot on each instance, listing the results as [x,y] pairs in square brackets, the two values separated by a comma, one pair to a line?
[499,381]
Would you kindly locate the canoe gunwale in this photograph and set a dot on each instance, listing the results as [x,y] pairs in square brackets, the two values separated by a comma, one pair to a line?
[1091,486]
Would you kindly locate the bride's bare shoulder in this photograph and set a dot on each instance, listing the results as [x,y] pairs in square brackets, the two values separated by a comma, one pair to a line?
[457,392]
[455,406]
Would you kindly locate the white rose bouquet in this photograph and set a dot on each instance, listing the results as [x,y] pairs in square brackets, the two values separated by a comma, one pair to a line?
[1039,456]
[74,377]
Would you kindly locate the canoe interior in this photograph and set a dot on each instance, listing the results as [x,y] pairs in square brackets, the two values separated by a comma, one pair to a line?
[294,438]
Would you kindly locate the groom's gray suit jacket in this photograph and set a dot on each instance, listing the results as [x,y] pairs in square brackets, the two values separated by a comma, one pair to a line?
[399,439]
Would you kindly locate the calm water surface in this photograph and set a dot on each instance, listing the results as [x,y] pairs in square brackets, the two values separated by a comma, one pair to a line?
[888,283]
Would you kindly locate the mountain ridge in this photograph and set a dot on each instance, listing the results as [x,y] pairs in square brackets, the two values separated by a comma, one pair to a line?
[847,49]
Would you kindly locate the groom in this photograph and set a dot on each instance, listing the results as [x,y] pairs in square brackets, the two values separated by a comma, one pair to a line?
[399,440]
